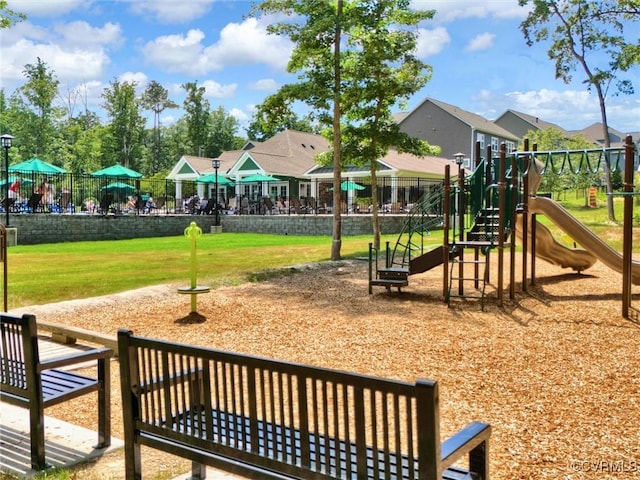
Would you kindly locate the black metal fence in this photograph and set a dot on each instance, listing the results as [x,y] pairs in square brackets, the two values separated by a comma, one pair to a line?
[32,192]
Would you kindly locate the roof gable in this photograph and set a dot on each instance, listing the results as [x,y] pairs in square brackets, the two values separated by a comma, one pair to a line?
[473,120]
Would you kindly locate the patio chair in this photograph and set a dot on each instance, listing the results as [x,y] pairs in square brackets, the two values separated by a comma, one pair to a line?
[7,203]
[297,206]
[244,206]
[65,203]
[35,203]
[281,206]
[269,207]
[159,205]
[191,206]
[312,205]
[105,203]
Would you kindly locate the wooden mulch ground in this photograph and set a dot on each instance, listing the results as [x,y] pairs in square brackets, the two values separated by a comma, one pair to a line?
[556,371]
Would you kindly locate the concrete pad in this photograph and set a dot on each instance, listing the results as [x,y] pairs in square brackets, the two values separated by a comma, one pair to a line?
[65,444]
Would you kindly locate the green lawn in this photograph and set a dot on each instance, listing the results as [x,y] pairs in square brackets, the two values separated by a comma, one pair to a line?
[48,273]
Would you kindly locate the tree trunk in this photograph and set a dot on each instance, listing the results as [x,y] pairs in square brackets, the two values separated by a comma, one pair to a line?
[336,244]
[374,212]
[607,143]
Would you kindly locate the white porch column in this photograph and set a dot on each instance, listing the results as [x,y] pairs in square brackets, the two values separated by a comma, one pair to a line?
[178,191]
[394,190]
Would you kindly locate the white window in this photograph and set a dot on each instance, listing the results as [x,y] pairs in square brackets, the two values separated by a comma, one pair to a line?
[494,145]
[480,138]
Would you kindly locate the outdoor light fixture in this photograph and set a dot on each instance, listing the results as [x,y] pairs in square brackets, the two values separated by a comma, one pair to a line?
[459,159]
[7,141]
[215,163]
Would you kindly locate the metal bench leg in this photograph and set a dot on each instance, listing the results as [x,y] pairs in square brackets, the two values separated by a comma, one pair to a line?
[104,403]
[198,471]
[36,418]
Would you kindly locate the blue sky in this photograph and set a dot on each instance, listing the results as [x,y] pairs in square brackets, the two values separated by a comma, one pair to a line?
[480,60]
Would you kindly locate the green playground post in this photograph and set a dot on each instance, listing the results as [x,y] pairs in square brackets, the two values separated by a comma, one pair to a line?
[193,231]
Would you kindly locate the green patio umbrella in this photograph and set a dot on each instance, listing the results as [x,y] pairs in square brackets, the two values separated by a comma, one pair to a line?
[259,177]
[13,178]
[211,178]
[119,187]
[348,185]
[37,166]
[117,170]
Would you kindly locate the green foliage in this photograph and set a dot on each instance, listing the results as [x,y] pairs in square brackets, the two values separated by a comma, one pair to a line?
[39,92]
[126,129]
[562,172]
[223,128]
[197,118]
[264,126]
[156,98]
[9,17]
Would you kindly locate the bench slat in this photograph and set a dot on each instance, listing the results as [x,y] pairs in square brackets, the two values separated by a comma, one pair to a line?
[58,385]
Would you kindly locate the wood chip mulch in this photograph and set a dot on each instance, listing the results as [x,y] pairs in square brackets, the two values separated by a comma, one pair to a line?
[555,371]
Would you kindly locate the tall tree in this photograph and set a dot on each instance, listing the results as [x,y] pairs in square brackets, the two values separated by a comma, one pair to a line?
[222,133]
[156,98]
[196,109]
[127,124]
[316,29]
[590,34]
[380,72]
[39,91]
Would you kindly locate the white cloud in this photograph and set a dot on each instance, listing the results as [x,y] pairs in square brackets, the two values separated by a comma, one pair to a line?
[265,84]
[75,52]
[48,8]
[431,42]
[245,43]
[484,41]
[81,33]
[450,10]
[249,43]
[178,53]
[139,78]
[171,11]
[239,115]
[214,89]
[67,65]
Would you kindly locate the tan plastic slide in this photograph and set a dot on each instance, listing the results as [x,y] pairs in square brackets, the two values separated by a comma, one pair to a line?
[595,248]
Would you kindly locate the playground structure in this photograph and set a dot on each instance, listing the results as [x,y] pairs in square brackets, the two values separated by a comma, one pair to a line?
[487,212]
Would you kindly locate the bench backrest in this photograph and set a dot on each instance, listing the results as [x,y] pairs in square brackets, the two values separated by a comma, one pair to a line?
[188,394]
[19,355]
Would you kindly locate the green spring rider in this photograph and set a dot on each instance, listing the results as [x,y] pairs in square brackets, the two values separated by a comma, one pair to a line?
[193,231]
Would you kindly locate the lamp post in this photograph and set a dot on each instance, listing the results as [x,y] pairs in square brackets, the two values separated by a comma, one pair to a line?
[215,163]
[7,141]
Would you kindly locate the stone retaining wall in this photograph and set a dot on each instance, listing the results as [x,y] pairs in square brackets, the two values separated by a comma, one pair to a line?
[52,228]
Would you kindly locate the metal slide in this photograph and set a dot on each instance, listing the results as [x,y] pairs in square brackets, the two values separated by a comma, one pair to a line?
[557,254]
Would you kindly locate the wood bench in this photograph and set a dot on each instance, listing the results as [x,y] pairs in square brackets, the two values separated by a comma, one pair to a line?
[27,382]
[262,418]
